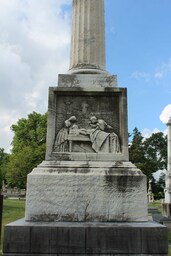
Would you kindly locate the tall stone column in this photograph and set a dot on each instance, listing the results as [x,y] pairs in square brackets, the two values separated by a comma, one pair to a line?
[167,201]
[169,145]
[88,37]
[168,173]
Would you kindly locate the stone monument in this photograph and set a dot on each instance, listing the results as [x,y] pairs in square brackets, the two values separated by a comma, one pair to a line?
[86,198]
[150,194]
[167,200]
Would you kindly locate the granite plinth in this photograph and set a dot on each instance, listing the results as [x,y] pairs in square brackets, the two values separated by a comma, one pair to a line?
[59,238]
[86,191]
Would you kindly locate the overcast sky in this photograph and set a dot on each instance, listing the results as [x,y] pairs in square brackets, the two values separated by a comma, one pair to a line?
[34,49]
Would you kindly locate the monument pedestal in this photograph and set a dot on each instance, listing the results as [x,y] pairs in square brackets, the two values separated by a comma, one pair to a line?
[84,238]
[86,191]
[86,198]
[85,208]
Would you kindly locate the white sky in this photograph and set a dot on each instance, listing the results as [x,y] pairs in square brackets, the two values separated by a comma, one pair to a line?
[34,48]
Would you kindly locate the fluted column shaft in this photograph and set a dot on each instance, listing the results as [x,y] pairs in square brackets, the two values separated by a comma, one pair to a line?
[88,37]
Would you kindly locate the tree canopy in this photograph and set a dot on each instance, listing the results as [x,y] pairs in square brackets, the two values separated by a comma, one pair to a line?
[150,154]
[28,148]
[4,159]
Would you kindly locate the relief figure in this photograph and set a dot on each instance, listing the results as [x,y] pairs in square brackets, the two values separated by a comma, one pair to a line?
[61,141]
[102,136]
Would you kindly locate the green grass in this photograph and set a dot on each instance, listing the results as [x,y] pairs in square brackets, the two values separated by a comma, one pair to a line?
[169,250]
[156,204]
[14,209]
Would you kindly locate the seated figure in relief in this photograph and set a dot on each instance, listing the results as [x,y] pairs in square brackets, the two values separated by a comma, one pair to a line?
[102,136]
[61,141]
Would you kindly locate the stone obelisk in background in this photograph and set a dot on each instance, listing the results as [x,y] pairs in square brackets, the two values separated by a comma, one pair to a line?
[167,201]
[88,37]
[86,198]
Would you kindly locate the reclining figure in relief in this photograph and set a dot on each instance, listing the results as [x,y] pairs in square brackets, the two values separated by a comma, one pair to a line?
[102,137]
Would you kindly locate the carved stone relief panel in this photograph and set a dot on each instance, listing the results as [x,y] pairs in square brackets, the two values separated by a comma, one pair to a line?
[90,121]
[87,123]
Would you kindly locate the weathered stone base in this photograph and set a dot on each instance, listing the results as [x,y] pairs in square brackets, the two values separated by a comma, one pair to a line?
[86,191]
[68,238]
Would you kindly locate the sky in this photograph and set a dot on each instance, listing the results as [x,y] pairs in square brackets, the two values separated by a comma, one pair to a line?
[35,48]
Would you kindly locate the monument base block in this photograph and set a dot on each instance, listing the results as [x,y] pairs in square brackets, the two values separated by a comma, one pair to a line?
[84,238]
[86,191]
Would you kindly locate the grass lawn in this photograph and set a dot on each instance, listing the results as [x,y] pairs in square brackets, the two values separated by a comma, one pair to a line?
[156,204]
[14,209]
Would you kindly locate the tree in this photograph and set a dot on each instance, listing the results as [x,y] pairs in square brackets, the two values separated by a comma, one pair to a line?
[137,151]
[156,151]
[28,148]
[29,132]
[20,164]
[150,155]
[4,159]
[158,187]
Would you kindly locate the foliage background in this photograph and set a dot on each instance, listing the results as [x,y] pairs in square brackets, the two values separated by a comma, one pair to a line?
[28,149]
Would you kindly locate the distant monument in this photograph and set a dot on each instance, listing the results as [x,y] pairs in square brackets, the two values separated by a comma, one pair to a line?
[86,198]
[167,201]
[150,193]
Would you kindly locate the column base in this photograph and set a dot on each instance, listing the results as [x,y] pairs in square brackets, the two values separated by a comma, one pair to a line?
[87,71]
